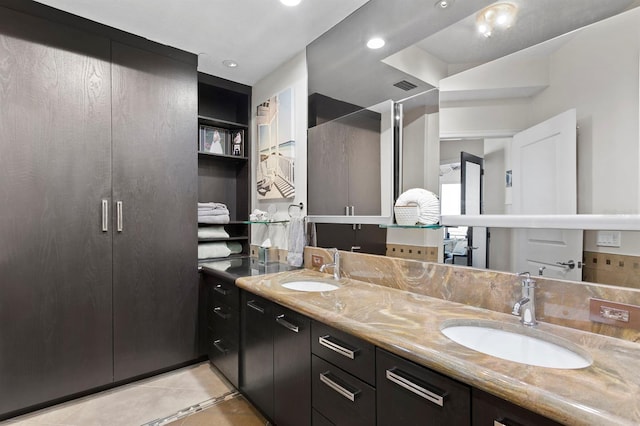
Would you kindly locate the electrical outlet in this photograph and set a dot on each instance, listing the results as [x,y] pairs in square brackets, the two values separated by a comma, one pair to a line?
[609,239]
[316,260]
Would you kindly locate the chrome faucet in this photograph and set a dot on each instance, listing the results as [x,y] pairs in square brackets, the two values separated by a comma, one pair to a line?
[525,308]
[335,265]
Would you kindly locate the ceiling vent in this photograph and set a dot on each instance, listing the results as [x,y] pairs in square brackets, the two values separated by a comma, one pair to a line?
[405,85]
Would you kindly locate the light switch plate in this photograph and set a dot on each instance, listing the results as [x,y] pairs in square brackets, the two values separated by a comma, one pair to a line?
[608,239]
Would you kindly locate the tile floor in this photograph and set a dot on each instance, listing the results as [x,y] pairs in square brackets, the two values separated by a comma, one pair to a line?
[153,401]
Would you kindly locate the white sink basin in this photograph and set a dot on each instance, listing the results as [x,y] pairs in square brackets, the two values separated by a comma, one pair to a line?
[514,345]
[310,286]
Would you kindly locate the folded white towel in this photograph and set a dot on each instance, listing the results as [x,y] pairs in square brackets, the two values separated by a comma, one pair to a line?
[296,242]
[212,205]
[427,201]
[216,220]
[213,212]
[235,247]
[213,250]
[213,232]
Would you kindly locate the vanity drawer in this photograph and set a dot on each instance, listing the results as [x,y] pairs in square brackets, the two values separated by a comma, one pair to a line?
[224,321]
[341,398]
[223,291]
[350,353]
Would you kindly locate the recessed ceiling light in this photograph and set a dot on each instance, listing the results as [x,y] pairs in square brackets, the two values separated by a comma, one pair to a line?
[443,4]
[375,43]
[230,63]
[497,15]
[290,2]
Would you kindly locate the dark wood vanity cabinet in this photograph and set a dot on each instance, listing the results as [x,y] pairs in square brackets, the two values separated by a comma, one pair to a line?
[343,377]
[489,410]
[276,360]
[369,239]
[223,326]
[410,394]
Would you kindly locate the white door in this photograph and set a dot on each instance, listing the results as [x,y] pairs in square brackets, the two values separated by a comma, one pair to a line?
[471,197]
[545,182]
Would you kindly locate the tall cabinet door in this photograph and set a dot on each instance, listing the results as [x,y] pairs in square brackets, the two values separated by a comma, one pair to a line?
[55,259]
[155,199]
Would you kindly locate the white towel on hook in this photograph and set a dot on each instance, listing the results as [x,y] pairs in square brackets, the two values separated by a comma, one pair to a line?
[297,241]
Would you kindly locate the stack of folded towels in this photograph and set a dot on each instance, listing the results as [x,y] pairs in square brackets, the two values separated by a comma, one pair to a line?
[216,213]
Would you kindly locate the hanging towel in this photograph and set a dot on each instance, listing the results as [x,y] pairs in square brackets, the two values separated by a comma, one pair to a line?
[297,241]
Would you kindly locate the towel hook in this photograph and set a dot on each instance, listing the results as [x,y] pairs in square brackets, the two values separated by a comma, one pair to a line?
[300,206]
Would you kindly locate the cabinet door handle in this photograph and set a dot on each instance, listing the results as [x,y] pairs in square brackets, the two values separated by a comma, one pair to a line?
[286,324]
[217,344]
[353,210]
[223,291]
[105,215]
[402,379]
[337,346]
[350,395]
[346,210]
[252,305]
[119,216]
[219,312]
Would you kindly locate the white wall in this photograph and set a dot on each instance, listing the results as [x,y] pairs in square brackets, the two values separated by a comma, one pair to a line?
[291,74]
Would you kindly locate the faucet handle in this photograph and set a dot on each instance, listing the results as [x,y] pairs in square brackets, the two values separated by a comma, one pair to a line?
[527,278]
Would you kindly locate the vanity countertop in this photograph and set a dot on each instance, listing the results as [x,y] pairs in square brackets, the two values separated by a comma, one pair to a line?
[409,324]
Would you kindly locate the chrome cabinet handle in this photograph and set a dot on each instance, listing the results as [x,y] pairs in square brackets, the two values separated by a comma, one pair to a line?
[105,215]
[219,312]
[119,216]
[353,210]
[435,396]
[223,291]
[324,378]
[346,210]
[504,422]
[327,342]
[286,324]
[218,346]
[252,305]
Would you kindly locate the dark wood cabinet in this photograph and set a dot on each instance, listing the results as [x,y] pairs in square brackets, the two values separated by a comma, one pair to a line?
[223,326]
[99,276]
[344,166]
[276,360]
[55,170]
[489,410]
[361,238]
[154,166]
[409,393]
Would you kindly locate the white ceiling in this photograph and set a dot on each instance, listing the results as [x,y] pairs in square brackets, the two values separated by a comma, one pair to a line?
[258,34]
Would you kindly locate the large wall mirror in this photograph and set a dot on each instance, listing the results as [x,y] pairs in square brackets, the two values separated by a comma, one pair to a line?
[495,86]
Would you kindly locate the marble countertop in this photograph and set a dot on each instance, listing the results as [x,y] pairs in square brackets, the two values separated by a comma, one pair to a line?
[408,324]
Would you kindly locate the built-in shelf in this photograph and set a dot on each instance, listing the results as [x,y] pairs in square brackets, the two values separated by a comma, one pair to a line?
[601,222]
[233,222]
[211,240]
[202,154]
[265,222]
[395,225]
[221,123]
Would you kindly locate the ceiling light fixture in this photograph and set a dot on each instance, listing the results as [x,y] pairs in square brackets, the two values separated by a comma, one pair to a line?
[290,2]
[375,43]
[230,63]
[443,4]
[495,16]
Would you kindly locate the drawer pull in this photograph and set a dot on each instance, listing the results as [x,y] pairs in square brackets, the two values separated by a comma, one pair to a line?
[505,422]
[217,344]
[252,305]
[223,291]
[435,396]
[324,378]
[332,343]
[286,324]
[219,312]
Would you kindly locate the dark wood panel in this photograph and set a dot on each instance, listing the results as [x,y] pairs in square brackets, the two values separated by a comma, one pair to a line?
[400,406]
[338,235]
[487,408]
[363,148]
[292,368]
[371,239]
[154,175]
[256,362]
[327,170]
[55,262]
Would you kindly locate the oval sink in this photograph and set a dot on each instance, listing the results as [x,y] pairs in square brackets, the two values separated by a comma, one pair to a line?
[517,345]
[310,286]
